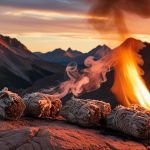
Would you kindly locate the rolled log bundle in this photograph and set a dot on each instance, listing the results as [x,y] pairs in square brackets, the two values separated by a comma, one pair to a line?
[134,120]
[41,105]
[85,113]
[11,105]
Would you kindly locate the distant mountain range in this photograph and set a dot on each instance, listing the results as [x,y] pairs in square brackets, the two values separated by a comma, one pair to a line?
[19,67]
[64,57]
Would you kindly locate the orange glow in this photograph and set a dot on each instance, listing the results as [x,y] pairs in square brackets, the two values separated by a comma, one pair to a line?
[129,87]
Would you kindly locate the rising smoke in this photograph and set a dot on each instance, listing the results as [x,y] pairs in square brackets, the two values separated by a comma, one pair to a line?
[114,10]
[85,80]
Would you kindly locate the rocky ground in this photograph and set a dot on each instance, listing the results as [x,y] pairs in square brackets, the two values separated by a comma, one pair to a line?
[41,134]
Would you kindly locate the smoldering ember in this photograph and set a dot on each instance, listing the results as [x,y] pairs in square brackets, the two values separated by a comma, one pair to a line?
[69,99]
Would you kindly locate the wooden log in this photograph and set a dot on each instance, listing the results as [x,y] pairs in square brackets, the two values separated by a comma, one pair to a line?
[11,105]
[85,112]
[134,120]
[41,105]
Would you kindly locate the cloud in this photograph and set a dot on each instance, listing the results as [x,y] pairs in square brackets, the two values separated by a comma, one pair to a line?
[115,10]
[49,5]
[63,19]
[22,21]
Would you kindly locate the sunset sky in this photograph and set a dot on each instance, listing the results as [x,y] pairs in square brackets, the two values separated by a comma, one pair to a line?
[43,25]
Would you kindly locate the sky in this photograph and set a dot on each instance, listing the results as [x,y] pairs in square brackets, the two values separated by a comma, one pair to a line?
[44,25]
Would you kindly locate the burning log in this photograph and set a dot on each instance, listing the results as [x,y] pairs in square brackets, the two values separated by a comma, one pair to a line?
[11,105]
[85,112]
[41,105]
[134,120]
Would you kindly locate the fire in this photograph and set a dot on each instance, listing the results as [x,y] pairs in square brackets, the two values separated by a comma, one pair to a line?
[129,86]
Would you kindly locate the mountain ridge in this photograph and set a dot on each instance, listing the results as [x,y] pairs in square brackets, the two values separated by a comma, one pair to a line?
[64,57]
[19,67]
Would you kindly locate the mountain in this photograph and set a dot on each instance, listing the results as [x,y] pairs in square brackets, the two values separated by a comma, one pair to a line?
[15,47]
[19,67]
[73,53]
[96,52]
[60,56]
[64,57]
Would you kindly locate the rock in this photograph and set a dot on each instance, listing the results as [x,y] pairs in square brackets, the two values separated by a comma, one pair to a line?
[39,134]
[85,112]
[11,105]
[41,105]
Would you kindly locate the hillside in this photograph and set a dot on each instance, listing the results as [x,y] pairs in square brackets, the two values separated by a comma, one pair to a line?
[19,67]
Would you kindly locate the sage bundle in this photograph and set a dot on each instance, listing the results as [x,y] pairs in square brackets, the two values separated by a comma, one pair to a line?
[85,112]
[134,120]
[11,105]
[41,105]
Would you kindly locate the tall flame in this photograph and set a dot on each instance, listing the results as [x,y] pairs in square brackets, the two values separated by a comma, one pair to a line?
[129,87]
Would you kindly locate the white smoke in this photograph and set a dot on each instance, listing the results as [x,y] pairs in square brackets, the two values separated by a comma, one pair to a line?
[84,80]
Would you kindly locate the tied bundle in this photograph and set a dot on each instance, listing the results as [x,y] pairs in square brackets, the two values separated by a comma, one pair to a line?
[134,120]
[11,105]
[86,113]
[41,105]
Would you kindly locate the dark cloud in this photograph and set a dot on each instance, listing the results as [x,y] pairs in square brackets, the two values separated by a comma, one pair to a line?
[49,5]
[114,11]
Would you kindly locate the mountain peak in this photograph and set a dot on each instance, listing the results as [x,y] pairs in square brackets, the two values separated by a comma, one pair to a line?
[58,50]
[98,51]
[12,42]
[69,49]
[73,53]
[15,46]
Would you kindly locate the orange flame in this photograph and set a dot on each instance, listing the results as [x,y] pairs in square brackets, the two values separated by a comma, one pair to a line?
[129,87]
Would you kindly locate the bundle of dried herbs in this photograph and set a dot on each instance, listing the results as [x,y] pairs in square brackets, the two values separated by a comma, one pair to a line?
[41,105]
[11,105]
[134,120]
[85,112]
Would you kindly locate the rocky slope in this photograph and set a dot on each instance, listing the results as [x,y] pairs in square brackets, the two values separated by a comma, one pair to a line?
[38,134]
[19,67]
[15,46]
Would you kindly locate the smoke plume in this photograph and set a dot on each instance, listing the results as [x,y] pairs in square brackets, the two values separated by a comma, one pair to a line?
[85,80]
[113,12]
